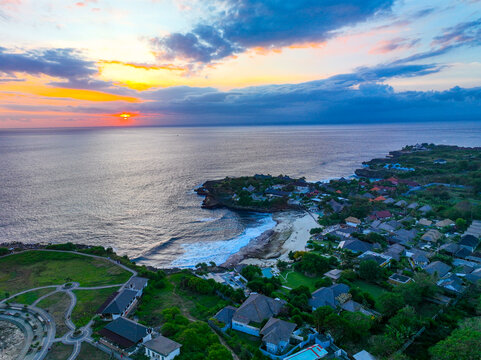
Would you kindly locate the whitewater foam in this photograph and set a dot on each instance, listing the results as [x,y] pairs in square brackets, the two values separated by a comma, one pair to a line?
[219,251]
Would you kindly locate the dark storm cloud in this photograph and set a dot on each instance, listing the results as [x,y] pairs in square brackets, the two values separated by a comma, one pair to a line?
[270,24]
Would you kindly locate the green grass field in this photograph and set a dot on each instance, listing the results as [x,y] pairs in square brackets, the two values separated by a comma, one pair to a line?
[59,351]
[32,269]
[88,301]
[89,352]
[294,279]
[56,305]
[30,297]
[192,305]
[374,290]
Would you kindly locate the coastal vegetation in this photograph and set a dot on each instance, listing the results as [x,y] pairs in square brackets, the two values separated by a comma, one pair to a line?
[88,301]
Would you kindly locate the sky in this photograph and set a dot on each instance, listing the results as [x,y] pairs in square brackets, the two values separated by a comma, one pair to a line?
[84,63]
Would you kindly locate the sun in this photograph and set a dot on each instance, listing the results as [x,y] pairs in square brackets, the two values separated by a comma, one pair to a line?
[125,116]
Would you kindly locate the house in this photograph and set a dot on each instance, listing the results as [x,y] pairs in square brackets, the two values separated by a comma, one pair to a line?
[138,284]
[401,203]
[250,188]
[413,205]
[381,259]
[344,232]
[444,223]
[368,196]
[417,257]
[335,206]
[403,236]
[389,201]
[224,317]
[437,268]
[382,214]
[327,296]
[276,193]
[161,348]
[390,226]
[462,253]
[474,276]
[353,306]
[380,198]
[425,222]
[120,305]
[355,245]
[469,242]
[474,229]
[432,236]
[352,221]
[425,209]
[452,283]
[449,248]
[314,352]
[363,355]
[276,334]
[398,279]
[334,274]
[124,335]
[440,161]
[395,251]
[257,308]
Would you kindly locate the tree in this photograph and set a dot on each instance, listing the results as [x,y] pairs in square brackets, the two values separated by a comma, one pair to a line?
[369,270]
[250,272]
[218,352]
[320,315]
[404,324]
[464,343]
[461,224]
[389,303]
[313,264]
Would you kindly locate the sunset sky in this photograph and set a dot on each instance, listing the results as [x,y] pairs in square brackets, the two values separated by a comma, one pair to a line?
[233,62]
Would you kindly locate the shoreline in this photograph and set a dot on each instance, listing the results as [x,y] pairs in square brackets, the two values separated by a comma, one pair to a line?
[291,233]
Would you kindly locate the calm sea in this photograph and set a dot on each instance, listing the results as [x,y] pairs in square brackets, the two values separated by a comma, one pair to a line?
[132,188]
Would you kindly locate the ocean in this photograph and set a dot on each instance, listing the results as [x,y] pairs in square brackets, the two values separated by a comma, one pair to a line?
[132,188]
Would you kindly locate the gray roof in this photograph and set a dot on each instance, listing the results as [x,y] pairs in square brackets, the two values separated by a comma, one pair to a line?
[326,296]
[450,248]
[475,276]
[162,345]
[276,330]
[257,308]
[120,302]
[462,253]
[136,283]
[127,329]
[469,240]
[452,283]
[225,315]
[425,208]
[355,245]
[336,207]
[437,267]
[401,203]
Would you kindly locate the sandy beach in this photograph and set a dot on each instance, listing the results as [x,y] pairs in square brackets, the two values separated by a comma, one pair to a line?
[290,234]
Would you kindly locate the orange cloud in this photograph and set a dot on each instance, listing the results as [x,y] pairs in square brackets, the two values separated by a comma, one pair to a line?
[144,67]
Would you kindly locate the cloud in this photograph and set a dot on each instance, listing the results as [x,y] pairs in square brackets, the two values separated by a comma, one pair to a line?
[347,98]
[386,46]
[61,63]
[466,33]
[244,24]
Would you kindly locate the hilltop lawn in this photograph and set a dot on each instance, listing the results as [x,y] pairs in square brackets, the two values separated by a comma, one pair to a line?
[32,269]
[88,301]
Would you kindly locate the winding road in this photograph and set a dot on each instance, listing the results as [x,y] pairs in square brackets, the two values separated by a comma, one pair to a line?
[68,338]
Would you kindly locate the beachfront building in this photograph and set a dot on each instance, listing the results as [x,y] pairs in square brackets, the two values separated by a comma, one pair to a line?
[328,296]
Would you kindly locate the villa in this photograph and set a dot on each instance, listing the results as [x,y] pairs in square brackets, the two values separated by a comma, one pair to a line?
[162,348]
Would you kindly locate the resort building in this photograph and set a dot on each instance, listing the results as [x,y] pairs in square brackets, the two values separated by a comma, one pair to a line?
[124,335]
[161,348]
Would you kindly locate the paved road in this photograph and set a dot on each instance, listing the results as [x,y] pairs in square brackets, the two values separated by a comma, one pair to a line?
[49,321]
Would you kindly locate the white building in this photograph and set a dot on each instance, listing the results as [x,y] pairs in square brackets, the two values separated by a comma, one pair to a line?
[162,348]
